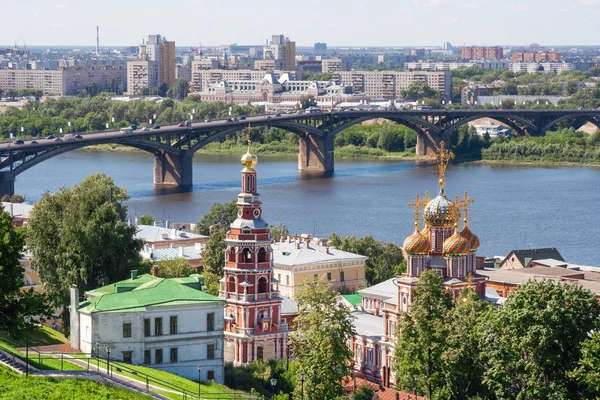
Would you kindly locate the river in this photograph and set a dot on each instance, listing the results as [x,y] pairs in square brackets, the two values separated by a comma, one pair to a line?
[515,207]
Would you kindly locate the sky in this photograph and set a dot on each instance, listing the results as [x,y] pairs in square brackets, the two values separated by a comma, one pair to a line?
[336,22]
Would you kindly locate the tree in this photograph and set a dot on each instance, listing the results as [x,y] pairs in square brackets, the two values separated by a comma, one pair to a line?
[419,91]
[307,101]
[213,259]
[146,219]
[79,236]
[219,216]
[421,335]
[175,268]
[323,328]
[364,392]
[588,371]
[462,357]
[533,343]
[279,232]
[14,303]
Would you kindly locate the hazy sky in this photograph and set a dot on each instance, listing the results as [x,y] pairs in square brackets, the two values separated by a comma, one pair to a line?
[336,22]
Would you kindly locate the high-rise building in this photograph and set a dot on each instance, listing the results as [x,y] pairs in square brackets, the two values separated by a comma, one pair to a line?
[320,49]
[254,328]
[477,53]
[141,74]
[281,48]
[541,56]
[161,53]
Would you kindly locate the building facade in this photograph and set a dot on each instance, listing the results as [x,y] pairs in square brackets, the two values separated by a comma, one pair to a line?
[476,53]
[298,259]
[167,324]
[254,327]
[141,74]
[529,56]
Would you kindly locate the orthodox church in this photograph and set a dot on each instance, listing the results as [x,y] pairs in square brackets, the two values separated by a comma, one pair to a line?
[254,328]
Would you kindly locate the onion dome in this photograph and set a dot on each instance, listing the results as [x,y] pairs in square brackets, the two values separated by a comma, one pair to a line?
[441,211]
[249,160]
[425,231]
[456,245]
[417,243]
[471,237]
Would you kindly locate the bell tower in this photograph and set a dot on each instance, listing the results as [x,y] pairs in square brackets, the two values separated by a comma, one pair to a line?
[253,326]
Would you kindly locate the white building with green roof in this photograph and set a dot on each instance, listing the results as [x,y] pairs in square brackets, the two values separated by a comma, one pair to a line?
[167,324]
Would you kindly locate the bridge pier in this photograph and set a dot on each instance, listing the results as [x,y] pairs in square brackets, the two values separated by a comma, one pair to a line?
[428,142]
[315,154]
[7,184]
[173,170]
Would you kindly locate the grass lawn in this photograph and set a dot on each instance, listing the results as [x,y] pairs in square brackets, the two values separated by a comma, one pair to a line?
[46,362]
[43,336]
[16,386]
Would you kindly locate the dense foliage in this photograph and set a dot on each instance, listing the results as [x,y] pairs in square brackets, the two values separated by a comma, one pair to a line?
[14,303]
[175,268]
[385,259]
[213,259]
[218,216]
[257,376]
[541,344]
[79,236]
[319,343]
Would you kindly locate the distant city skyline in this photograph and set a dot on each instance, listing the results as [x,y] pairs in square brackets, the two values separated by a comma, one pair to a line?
[336,22]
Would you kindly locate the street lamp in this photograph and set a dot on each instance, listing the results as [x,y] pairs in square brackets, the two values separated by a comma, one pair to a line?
[108,360]
[302,378]
[27,319]
[199,387]
[273,383]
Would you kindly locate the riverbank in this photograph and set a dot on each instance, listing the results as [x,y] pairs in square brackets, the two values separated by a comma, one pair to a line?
[528,163]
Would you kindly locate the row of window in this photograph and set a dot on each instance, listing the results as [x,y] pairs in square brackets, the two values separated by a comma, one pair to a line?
[173,355]
[342,276]
[158,326]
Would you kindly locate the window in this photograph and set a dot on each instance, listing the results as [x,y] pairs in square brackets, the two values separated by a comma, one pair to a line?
[158,356]
[126,329]
[147,356]
[210,321]
[279,277]
[158,326]
[262,285]
[173,324]
[147,327]
[329,276]
[173,354]
[127,356]
[210,351]
[210,375]
[342,278]
[287,280]
[369,356]
[259,353]
[316,277]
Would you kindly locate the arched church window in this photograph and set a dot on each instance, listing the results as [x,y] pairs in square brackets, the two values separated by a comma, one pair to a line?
[246,256]
[231,285]
[262,255]
[231,254]
[262,285]
[259,353]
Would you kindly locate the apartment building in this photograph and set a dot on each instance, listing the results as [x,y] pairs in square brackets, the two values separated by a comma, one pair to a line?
[202,78]
[476,53]
[386,85]
[331,64]
[452,65]
[281,48]
[141,74]
[529,56]
[61,82]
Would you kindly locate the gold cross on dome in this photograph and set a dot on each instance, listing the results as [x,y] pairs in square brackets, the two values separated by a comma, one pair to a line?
[442,158]
[465,205]
[416,205]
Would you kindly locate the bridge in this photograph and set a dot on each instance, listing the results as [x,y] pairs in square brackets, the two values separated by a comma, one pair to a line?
[173,147]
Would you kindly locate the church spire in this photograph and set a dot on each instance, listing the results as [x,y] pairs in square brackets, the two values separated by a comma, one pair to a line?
[442,158]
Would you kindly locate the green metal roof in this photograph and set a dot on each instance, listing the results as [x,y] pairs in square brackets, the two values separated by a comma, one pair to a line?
[354,299]
[151,292]
[127,283]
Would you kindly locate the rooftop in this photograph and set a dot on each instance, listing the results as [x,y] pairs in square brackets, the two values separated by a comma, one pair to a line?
[368,324]
[526,256]
[150,233]
[17,209]
[286,253]
[385,289]
[145,291]
[354,299]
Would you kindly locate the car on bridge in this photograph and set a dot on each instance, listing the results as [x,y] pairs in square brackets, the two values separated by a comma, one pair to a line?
[156,127]
[33,142]
[78,137]
[57,139]
[49,137]
[145,129]
[208,120]
[18,141]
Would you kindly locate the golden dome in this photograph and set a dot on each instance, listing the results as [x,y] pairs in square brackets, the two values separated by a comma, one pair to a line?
[417,243]
[441,211]
[249,160]
[456,245]
[471,238]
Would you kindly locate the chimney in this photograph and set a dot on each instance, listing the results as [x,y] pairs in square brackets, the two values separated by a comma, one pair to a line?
[172,245]
[134,274]
[155,271]
[137,220]
[167,224]
[297,243]
[75,329]
[198,246]
[12,214]
[181,251]
[326,248]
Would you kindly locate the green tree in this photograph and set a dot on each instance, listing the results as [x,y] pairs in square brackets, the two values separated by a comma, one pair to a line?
[421,337]
[213,259]
[419,91]
[319,343]
[146,219]
[307,101]
[14,303]
[79,236]
[175,268]
[462,356]
[588,371]
[533,343]
[364,392]
[219,216]
[279,232]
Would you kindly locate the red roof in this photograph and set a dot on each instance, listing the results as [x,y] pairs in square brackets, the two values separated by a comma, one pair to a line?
[383,393]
